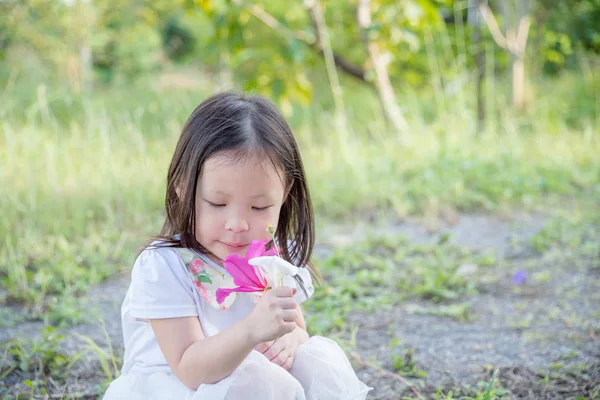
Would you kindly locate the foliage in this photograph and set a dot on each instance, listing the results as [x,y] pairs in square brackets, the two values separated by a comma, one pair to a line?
[270,47]
[41,356]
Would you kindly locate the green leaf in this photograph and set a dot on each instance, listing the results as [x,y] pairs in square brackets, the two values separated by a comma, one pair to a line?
[278,87]
[204,278]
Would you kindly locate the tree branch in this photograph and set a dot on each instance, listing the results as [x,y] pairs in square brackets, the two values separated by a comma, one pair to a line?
[348,67]
[274,23]
[383,84]
[490,20]
[316,13]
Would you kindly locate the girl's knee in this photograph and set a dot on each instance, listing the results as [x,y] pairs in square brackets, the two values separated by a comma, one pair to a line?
[258,375]
[320,358]
[324,371]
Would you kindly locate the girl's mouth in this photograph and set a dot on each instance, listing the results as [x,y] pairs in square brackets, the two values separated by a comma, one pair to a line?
[234,247]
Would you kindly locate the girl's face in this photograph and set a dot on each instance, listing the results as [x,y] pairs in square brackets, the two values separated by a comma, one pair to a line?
[235,202]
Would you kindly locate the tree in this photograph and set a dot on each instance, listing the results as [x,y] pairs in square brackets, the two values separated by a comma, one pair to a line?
[514,41]
[380,66]
[475,21]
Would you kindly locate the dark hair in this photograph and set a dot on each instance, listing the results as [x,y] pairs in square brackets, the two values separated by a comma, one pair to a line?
[239,124]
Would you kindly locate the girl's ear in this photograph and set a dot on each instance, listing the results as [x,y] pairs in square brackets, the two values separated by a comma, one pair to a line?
[287,190]
[178,192]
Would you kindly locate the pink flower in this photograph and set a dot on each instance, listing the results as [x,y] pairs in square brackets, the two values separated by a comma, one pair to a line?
[248,278]
[196,266]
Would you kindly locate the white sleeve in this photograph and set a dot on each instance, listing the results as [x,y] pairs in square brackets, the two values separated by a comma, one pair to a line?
[159,288]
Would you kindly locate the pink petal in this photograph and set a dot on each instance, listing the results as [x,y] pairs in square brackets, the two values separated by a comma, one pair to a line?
[256,248]
[271,252]
[243,273]
[196,265]
[223,293]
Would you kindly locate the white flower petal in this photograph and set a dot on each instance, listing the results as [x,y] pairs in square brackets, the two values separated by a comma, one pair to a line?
[272,263]
[289,281]
[304,274]
[271,280]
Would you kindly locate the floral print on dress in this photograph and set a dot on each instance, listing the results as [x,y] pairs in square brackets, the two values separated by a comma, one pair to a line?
[206,278]
[197,268]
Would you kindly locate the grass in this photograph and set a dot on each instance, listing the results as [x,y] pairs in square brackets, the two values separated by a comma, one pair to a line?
[485,390]
[83,185]
[387,270]
[45,366]
[383,271]
[84,176]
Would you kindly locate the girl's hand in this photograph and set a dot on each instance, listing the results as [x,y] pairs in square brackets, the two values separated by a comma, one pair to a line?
[273,316]
[283,350]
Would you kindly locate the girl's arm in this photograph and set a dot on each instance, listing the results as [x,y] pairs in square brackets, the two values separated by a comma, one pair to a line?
[196,359]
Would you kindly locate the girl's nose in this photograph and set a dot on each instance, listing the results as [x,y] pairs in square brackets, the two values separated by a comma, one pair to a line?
[237,224]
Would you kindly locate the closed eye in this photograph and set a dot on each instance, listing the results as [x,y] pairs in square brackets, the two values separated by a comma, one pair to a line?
[214,204]
[261,208]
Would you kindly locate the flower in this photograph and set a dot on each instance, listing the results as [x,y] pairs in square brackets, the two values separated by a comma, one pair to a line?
[247,277]
[196,265]
[276,269]
[202,290]
[259,271]
[519,277]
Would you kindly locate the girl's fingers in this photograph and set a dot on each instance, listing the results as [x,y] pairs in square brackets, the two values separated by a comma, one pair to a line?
[262,347]
[289,316]
[281,358]
[287,303]
[288,363]
[289,326]
[283,291]
[273,352]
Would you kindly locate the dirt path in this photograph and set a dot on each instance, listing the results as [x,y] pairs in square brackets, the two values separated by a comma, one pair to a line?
[548,323]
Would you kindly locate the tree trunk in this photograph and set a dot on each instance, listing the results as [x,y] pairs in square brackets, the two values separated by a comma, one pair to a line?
[322,34]
[383,84]
[518,81]
[515,41]
[518,65]
[85,55]
[475,21]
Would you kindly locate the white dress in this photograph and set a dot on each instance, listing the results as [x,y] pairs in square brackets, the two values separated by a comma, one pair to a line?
[163,287]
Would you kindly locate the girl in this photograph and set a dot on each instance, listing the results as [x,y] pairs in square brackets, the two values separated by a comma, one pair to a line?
[236,170]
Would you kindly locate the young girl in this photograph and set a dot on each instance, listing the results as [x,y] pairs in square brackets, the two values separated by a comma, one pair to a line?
[236,171]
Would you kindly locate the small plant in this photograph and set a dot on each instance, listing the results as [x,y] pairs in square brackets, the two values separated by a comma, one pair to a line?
[404,365]
[491,389]
[39,359]
[108,360]
[41,356]
[486,390]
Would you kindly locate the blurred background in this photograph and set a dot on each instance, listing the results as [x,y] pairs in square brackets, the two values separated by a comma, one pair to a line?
[402,108]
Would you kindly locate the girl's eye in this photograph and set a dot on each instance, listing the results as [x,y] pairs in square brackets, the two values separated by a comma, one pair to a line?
[261,208]
[215,205]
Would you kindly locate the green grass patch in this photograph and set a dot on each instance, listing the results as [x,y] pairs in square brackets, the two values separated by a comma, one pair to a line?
[83,178]
[386,270]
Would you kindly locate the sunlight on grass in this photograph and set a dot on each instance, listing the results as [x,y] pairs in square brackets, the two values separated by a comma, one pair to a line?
[84,177]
